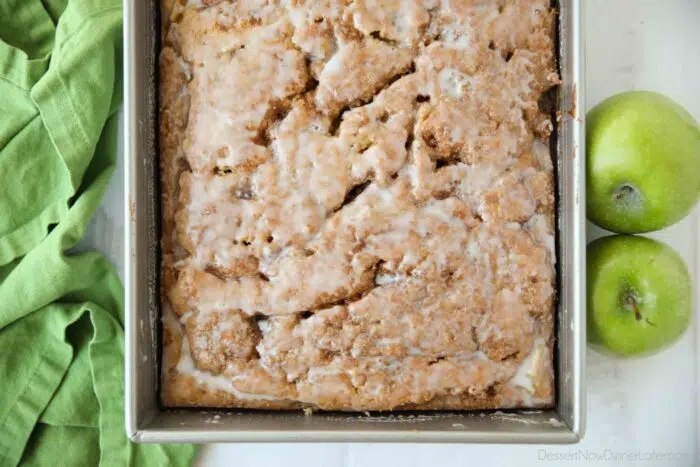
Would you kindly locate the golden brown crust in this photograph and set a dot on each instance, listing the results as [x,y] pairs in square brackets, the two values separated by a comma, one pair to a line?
[357,204]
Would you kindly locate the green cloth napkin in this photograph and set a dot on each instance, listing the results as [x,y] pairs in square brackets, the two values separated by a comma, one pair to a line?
[61,314]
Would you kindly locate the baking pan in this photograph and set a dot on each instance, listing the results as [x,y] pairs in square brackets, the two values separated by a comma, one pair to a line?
[148,422]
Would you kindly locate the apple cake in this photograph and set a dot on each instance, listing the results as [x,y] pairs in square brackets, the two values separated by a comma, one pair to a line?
[357,204]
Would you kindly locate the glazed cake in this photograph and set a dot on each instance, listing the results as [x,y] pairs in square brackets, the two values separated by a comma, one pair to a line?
[357,204]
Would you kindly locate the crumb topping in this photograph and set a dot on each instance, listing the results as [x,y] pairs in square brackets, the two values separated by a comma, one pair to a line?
[358,203]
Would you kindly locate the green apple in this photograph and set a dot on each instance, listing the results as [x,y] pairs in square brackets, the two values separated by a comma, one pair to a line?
[642,162]
[639,295]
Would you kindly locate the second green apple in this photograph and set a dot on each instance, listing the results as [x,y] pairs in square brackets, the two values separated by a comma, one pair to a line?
[639,295]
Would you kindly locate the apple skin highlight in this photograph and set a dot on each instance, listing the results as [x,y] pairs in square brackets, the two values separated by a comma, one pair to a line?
[639,295]
[642,164]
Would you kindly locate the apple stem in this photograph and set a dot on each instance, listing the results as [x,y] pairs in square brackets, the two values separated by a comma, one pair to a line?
[628,195]
[623,191]
[630,301]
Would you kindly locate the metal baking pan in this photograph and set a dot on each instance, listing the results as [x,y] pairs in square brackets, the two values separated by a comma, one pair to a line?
[148,422]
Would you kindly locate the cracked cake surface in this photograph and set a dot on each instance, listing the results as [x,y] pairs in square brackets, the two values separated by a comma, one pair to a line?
[357,204]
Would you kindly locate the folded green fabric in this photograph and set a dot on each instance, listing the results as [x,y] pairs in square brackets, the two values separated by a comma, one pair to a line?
[61,314]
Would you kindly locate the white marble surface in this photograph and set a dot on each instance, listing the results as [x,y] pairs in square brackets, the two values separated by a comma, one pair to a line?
[640,408]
